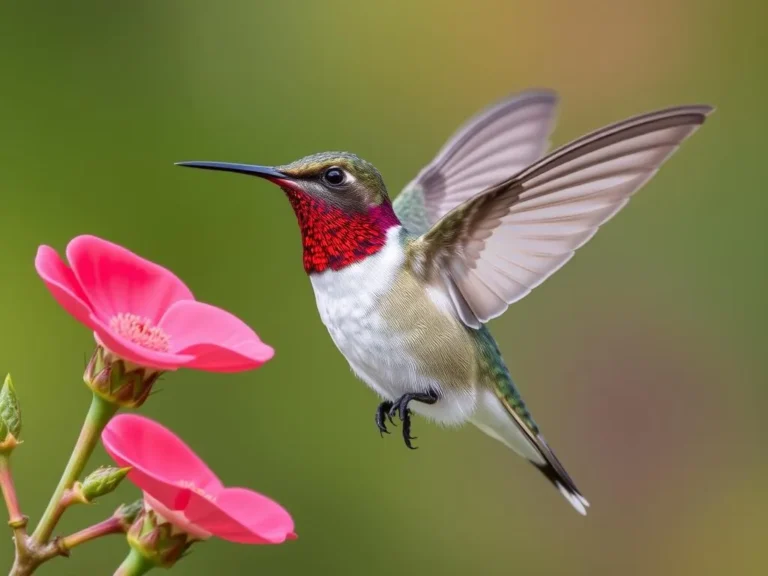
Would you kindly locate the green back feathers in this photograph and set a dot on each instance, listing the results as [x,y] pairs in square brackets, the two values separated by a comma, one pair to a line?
[496,371]
[411,209]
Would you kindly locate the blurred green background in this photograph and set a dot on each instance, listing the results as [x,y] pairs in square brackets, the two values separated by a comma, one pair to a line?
[643,360]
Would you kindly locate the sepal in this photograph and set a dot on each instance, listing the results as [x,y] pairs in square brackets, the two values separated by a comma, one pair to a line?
[127,513]
[117,380]
[157,540]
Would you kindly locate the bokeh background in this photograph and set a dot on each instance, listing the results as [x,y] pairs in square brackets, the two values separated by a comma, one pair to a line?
[644,359]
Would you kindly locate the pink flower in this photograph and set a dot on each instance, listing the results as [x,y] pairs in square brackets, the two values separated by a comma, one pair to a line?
[180,487]
[143,313]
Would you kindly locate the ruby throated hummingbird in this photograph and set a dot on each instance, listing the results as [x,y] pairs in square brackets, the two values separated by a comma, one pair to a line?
[405,287]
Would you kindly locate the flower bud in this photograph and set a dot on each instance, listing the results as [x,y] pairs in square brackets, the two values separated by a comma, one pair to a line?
[117,380]
[10,416]
[101,481]
[157,540]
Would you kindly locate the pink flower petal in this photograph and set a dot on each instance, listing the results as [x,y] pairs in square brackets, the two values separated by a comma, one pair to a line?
[219,341]
[176,517]
[63,285]
[136,354]
[176,482]
[159,460]
[213,358]
[241,515]
[116,280]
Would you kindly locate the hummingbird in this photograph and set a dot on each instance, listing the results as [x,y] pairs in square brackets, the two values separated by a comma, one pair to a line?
[406,287]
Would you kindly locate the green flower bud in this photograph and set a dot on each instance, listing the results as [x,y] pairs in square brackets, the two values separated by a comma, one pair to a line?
[10,416]
[101,481]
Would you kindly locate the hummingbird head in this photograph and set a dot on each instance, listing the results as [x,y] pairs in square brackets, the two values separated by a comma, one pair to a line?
[340,202]
[339,178]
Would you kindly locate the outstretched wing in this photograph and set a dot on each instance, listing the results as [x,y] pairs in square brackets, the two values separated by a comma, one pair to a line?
[495,248]
[491,147]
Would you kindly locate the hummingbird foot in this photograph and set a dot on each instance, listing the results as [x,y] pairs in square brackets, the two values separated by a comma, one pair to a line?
[400,408]
[382,413]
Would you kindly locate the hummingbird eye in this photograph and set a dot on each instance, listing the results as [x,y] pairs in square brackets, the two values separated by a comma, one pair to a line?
[335,176]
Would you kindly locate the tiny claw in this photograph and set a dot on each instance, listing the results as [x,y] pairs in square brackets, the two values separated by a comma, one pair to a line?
[407,434]
[382,428]
[400,408]
[380,418]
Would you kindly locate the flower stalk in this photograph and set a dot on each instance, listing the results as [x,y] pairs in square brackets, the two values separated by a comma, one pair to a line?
[134,565]
[112,525]
[16,518]
[99,414]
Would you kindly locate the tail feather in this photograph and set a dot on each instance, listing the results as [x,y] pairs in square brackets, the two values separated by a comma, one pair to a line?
[555,473]
[496,417]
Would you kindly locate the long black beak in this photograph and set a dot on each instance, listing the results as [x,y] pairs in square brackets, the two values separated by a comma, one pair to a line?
[262,171]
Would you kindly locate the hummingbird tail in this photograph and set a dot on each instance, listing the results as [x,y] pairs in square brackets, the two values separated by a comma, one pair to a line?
[555,473]
[498,419]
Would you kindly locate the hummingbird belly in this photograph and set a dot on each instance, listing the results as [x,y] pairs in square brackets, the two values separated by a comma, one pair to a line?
[398,335]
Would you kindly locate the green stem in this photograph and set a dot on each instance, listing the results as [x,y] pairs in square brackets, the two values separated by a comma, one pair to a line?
[17,521]
[109,526]
[134,565]
[99,414]
[30,556]
[9,492]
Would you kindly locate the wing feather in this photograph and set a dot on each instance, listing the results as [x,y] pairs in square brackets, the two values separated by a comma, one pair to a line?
[501,244]
[490,148]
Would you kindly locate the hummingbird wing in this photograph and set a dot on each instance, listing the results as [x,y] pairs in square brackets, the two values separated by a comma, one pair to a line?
[495,144]
[496,247]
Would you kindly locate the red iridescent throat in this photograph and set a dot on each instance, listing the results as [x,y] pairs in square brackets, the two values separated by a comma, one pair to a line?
[334,239]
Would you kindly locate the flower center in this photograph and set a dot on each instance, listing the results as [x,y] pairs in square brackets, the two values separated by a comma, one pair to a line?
[140,331]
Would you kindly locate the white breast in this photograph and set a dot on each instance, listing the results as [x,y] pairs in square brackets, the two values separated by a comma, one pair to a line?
[347,300]
[349,304]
